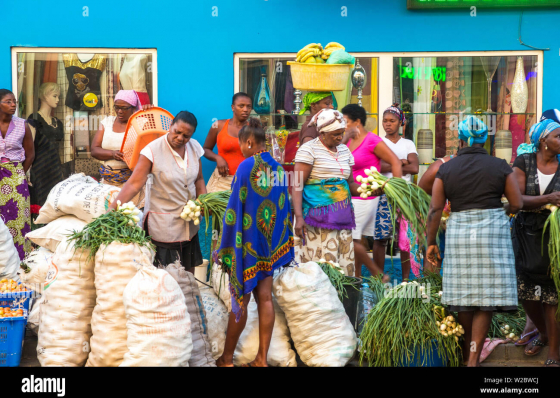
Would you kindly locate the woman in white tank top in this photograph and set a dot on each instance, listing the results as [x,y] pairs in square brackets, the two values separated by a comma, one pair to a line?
[106,145]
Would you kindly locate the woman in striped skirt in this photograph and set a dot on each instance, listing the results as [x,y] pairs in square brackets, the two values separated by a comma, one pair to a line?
[479,267]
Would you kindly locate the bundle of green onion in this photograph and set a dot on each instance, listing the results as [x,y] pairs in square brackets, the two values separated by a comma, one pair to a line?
[506,325]
[408,199]
[116,226]
[553,222]
[215,204]
[403,325]
[337,277]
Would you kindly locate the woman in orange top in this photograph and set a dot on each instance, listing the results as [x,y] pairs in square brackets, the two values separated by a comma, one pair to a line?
[225,134]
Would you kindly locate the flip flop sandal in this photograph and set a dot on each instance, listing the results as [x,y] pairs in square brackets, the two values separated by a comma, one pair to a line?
[533,335]
[552,363]
[535,343]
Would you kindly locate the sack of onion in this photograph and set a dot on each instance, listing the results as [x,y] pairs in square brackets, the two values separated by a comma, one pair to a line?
[402,330]
[408,199]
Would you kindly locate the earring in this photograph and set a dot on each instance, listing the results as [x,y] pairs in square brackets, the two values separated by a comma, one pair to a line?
[249,146]
[546,147]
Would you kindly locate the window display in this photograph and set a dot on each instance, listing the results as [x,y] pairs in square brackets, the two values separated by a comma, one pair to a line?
[439,92]
[66,95]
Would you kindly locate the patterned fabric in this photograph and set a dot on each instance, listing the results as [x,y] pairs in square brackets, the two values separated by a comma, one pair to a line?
[257,235]
[328,204]
[128,96]
[328,244]
[383,223]
[11,147]
[313,97]
[325,163]
[395,110]
[540,131]
[111,176]
[14,204]
[479,265]
[553,114]
[526,291]
[473,131]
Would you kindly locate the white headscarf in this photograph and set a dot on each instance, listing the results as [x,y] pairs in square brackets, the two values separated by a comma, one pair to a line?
[328,120]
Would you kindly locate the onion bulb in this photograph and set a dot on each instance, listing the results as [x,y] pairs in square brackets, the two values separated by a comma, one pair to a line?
[197,214]
[373,169]
[363,196]
[443,327]
[553,209]
[364,185]
[196,222]
[371,179]
[360,190]
[359,178]
[367,171]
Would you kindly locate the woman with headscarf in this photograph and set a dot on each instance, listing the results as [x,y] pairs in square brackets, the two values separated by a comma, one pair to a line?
[107,142]
[405,150]
[479,265]
[538,177]
[322,199]
[256,240]
[313,102]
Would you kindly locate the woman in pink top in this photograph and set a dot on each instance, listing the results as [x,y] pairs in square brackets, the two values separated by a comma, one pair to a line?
[368,150]
[16,156]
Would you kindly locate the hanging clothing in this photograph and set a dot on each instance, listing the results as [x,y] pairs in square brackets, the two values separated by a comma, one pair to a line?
[257,233]
[531,255]
[84,90]
[46,170]
[14,204]
[228,148]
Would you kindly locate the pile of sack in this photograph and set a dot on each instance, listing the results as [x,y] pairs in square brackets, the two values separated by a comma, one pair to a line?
[114,308]
[308,312]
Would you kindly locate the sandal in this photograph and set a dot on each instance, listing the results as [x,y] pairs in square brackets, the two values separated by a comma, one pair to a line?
[533,335]
[535,343]
[552,363]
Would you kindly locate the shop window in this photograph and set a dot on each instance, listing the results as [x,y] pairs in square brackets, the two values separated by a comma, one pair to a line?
[267,79]
[438,92]
[76,92]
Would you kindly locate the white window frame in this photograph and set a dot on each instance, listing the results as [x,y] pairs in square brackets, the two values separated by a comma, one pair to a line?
[85,50]
[385,68]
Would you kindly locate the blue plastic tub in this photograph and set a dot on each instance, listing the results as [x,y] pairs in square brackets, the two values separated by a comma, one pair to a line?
[12,331]
[419,360]
[16,300]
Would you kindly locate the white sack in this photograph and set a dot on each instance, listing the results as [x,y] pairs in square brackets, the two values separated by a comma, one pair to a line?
[220,283]
[68,301]
[115,266]
[201,355]
[157,321]
[280,352]
[9,257]
[217,320]
[322,333]
[39,261]
[78,195]
[55,232]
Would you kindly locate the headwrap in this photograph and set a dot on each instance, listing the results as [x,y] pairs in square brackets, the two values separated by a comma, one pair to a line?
[541,130]
[473,131]
[395,110]
[313,97]
[128,96]
[328,120]
[552,114]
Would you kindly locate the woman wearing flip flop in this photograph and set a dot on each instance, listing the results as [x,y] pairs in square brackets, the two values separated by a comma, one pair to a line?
[538,177]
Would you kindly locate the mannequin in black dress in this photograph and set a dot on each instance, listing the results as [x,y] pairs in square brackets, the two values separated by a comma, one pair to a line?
[46,170]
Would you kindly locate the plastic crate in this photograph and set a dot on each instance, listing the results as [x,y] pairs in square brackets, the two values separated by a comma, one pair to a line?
[12,332]
[16,299]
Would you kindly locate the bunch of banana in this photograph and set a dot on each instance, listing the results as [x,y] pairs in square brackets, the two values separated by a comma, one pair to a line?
[330,48]
[312,50]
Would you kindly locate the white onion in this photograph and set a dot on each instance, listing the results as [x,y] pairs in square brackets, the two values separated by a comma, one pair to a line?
[373,169]
[359,178]
[367,171]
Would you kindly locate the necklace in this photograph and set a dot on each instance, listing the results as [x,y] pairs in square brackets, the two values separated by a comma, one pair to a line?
[333,156]
[50,120]
[259,152]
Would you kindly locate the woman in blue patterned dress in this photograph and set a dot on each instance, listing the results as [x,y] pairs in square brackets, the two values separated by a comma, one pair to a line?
[256,239]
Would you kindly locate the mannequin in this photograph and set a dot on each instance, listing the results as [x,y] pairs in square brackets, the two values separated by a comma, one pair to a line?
[133,76]
[48,133]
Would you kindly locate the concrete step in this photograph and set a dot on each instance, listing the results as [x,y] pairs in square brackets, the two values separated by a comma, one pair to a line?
[511,354]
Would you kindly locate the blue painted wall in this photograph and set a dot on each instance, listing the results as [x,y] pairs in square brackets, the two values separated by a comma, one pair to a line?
[195,49]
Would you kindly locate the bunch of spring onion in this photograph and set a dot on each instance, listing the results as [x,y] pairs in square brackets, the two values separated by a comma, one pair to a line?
[118,225]
[403,324]
[553,222]
[448,326]
[409,200]
[191,212]
[337,277]
[215,204]
[507,325]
